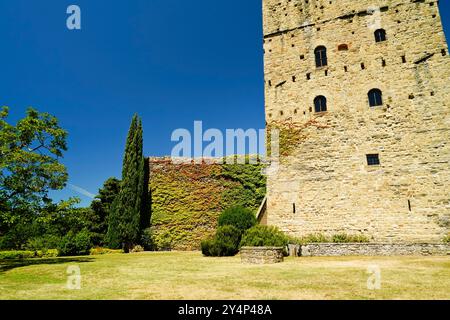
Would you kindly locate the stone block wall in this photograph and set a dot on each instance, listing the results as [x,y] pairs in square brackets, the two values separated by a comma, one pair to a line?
[261,255]
[324,184]
[372,249]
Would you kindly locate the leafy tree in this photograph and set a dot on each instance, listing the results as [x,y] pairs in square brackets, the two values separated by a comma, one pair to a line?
[101,208]
[47,225]
[126,219]
[30,154]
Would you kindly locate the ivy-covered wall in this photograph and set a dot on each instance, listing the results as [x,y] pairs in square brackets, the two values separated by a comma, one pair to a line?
[186,199]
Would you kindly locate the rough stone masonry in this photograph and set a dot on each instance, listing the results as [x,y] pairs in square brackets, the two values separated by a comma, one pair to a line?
[374,76]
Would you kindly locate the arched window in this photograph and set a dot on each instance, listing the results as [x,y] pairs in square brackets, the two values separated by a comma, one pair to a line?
[320,104]
[380,35]
[375,98]
[321,56]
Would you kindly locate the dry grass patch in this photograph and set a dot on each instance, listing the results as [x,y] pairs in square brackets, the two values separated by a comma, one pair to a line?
[181,275]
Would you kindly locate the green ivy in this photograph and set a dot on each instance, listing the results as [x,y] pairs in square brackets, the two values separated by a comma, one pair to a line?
[187,199]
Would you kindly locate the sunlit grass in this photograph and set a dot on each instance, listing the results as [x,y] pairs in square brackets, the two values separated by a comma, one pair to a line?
[181,275]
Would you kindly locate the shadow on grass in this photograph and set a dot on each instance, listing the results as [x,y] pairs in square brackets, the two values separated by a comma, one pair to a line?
[6,265]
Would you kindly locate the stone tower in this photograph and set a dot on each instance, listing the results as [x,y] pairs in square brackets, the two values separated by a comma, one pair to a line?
[360,91]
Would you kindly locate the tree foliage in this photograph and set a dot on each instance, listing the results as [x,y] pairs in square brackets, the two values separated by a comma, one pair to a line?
[101,207]
[30,154]
[224,244]
[264,236]
[239,217]
[125,223]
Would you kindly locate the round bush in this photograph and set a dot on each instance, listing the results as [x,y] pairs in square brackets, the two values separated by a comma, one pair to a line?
[224,244]
[239,217]
[264,236]
[75,244]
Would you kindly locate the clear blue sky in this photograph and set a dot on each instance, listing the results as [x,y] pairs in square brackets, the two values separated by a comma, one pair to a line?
[171,61]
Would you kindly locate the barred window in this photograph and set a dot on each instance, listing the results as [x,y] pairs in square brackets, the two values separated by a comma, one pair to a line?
[373,159]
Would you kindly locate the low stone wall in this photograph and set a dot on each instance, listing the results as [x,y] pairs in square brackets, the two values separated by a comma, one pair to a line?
[372,249]
[261,255]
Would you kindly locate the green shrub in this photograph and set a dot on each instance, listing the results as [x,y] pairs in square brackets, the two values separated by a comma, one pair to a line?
[100,251]
[137,249]
[264,236]
[75,244]
[43,243]
[147,240]
[50,253]
[239,217]
[312,238]
[337,238]
[224,244]
[163,242]
[345,238]
[13,255]
[447,239]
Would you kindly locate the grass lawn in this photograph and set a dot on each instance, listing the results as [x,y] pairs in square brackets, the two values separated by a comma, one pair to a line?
[180,275]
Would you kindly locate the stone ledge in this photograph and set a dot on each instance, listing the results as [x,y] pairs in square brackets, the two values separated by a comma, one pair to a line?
[262,255]
[373,249]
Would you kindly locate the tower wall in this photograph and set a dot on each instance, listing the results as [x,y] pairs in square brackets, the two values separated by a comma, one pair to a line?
[324,183]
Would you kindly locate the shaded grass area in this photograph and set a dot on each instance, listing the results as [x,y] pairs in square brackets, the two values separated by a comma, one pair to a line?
[188,275]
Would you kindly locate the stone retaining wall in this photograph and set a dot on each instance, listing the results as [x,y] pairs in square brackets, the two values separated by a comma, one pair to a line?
[372,249]
[261,255]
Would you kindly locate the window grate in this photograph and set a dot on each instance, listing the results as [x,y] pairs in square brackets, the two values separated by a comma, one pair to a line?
[373,159]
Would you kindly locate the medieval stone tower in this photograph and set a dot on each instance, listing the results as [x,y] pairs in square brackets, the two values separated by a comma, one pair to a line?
[360,91]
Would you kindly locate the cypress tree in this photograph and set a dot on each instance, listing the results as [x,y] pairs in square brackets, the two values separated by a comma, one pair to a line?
[146,197]
[125,219]
[144,201]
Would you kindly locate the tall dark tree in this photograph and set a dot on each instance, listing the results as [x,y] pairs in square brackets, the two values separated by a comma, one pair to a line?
[101,207]
[146,197]
[125,218]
